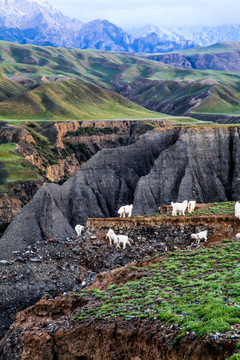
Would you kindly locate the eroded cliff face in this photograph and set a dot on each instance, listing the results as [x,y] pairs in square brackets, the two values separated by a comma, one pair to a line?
[46,332]
[58,150]
[164,165]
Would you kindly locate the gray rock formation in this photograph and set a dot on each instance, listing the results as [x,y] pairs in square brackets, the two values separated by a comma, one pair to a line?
[227,61]
[163,166]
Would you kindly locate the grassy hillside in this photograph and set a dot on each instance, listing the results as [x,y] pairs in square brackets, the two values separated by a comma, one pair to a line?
[222,99]
[72,99]
[13,167]
[160,84]
[198,291]
[9,88]
[219,48]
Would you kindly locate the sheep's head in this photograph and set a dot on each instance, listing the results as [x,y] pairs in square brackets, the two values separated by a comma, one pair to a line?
[194,236]
[110,232]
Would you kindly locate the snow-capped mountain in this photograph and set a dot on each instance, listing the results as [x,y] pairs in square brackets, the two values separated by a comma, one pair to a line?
[36,21]
[201,35]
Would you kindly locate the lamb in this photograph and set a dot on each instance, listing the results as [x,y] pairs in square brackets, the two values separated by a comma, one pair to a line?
[199,236]
[118,239]
[126,209]
[191,206]
[237,210]
[79,229]
[179,207]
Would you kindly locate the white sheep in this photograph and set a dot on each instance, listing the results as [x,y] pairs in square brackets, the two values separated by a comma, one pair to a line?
[237,210]
[179,208]
[123,239]
[79,229]
[191,206]
[118,239]
[110,235]
[199,236]
[238,235]
[126,209]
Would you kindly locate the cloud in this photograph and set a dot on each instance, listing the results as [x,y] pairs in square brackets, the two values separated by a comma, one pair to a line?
[131,13]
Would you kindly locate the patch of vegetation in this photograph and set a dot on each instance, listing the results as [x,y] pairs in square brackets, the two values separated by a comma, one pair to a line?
[223,208]
[197,291]
[13,166]
[43,145]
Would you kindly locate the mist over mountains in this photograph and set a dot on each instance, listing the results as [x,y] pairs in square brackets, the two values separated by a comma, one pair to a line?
[37,22]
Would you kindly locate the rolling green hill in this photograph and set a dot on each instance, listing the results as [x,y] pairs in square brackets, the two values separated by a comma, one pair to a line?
[219,48]
[148,83]
[9,88]
[13,167]
[72,99]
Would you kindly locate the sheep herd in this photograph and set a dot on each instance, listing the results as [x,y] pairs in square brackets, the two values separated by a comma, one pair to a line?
[177,209]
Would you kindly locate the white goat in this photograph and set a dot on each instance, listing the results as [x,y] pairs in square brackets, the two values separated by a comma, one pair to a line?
[237,210]
[118,239]
[179,207]
[191,206]
[199,236]
[79,229]
[126,209]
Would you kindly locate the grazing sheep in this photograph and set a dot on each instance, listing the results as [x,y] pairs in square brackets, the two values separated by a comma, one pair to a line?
[199,236]
[79,229]
[117,239]
[191,206]
[109,235]
[123,239]
[179,207]
[126,209]
[237,210]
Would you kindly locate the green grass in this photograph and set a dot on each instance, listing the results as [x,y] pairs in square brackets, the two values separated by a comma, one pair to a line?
[72,99]
[218,48]
[224,208]
[218,209]
[197,291]
[14,167]
[109,71]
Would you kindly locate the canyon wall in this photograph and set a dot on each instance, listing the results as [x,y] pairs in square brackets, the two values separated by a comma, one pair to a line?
[170,164]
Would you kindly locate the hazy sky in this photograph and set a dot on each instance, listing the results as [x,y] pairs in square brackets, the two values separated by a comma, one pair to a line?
[134,13]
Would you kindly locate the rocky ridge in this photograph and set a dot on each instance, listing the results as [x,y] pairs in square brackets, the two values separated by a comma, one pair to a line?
[225,61]
[165,165]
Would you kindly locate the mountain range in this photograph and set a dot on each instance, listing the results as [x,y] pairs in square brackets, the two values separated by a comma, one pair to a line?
[201,35]
[37,22]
